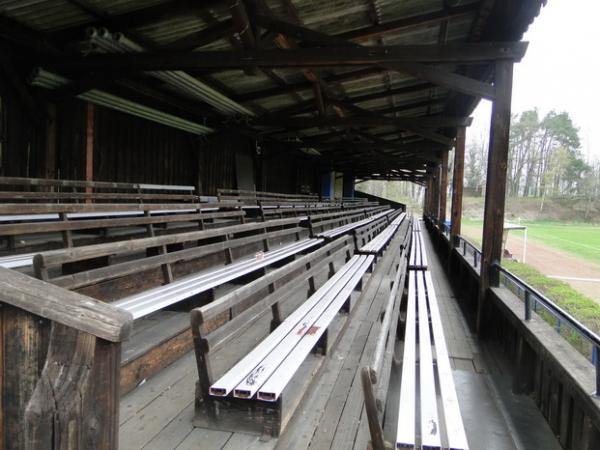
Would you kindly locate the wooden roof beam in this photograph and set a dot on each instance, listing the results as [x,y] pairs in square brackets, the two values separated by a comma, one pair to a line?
[299,57]
[435,75]
[365,121]
[374,31]
[305,85]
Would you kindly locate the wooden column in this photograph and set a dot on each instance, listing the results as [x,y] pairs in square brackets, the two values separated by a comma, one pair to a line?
[60,366]
[435,194]
[89,145]
[443,188]
[457,185]
[427,198]
[495,193]
[50,154]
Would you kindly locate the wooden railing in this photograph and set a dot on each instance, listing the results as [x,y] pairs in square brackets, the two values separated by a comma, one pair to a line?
[60,363]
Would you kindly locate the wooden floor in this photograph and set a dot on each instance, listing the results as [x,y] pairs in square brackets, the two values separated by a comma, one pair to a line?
[158,414]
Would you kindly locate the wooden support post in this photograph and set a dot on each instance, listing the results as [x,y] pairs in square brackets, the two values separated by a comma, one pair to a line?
[50,154]
[426,197]
[58,391]
[457,186]
[435,194]
[89,147]
[495,193]
[443,188]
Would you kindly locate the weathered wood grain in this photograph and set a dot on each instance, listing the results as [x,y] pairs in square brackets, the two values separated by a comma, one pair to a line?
[67,308]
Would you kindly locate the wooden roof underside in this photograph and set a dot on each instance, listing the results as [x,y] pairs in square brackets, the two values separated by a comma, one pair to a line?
[372,87]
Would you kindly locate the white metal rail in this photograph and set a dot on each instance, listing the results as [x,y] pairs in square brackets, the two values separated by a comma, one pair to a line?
[151,300]
[270,366]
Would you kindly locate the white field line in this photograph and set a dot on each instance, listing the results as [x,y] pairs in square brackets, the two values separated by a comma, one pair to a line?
[559,277]
[578,244]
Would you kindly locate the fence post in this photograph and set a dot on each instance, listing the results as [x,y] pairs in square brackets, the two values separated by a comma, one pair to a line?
[597,365]
[527,305]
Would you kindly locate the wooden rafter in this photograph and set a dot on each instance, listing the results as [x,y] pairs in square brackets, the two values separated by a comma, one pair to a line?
[299,57]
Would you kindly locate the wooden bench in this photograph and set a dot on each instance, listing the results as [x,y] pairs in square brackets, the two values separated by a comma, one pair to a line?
[326,224]
[350,226]
[376,375]
[21,189]
[424,325]
[40,226]
[175,271]
[254,344]
[418,255]
[253,198]
[378,243]
[312,209]
[180,253]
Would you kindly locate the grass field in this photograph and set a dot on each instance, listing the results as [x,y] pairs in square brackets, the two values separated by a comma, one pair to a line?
[581,240]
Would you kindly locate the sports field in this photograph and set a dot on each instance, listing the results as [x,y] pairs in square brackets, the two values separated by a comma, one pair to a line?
[578,239]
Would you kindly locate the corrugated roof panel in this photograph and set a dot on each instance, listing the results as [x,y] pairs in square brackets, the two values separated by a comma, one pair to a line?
[44,15]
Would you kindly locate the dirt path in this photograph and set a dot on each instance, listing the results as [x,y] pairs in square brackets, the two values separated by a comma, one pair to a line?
[556,263]
[551,262]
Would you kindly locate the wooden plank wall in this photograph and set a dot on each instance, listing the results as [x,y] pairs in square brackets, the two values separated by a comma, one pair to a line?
[289,173]
[126,149]
[21,143]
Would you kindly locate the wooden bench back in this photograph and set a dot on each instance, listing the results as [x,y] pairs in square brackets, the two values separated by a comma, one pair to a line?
[139,264]
[362,235]
[26,219]
[240,194]
[226,329]
[329,220]
[20,189]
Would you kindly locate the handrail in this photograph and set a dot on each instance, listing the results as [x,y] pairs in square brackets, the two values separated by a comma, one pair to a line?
[552,307]
[68,308]
[549,304]
[464,243]
[559,313]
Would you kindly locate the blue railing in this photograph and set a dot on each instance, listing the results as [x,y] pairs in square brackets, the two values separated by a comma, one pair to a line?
[469,251]
[540,304]
[533,300]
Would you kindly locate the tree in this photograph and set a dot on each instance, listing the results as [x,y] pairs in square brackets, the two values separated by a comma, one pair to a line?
[544,155]
[476,163]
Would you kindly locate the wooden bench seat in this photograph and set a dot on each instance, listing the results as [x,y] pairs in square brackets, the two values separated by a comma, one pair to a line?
[180,271]
[418,255]
[269,367]
[179,253]
[22,189]
[376,375]
[254,344]
[38,226]
[423,325]
[350,226]
[379,242]
[321,223]
[254,197]
[147,302]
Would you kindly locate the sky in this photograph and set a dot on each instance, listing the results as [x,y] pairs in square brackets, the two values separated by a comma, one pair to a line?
[560,71]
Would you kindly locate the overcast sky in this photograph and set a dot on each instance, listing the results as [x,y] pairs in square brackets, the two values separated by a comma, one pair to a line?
[560,71]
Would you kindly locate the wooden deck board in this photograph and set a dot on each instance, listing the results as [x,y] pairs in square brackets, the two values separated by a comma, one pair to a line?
[158,413]
[136,400]
[151,418]
[202,438]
